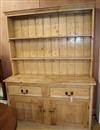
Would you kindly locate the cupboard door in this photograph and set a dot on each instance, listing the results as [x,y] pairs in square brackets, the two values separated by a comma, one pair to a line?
[23,107]
[38,110]
[70,114]
[28,108]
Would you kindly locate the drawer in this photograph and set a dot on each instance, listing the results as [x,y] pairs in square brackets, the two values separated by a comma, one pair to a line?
[67,92]
[24,90]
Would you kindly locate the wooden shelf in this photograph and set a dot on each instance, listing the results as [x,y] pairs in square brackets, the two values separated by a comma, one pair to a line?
[30,38]
[52,58]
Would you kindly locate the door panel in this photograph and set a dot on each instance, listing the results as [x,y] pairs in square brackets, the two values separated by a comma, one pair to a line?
[28,108]
[23,107]
[38,110]
[69,113]
[52,112]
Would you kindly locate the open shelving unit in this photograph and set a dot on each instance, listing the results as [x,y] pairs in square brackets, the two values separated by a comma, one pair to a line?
[52,42]
[52,60]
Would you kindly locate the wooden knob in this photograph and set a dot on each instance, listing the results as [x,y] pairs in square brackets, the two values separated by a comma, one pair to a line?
[71,93]
[26,91]
[66,93]
[22,91]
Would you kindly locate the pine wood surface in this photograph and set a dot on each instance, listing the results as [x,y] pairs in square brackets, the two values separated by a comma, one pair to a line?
[52,66]
[41,44]
[49,79]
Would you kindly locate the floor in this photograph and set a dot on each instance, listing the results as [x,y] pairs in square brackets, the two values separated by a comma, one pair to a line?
[97,127]
[31,126]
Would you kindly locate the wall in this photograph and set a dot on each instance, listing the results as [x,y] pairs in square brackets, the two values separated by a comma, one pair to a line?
[98,42]
[98,90]
[49,3]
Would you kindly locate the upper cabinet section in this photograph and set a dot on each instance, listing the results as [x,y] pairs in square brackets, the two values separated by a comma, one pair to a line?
[51,25]
[52,41]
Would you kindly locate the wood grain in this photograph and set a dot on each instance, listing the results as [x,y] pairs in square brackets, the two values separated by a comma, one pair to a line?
[18,5]
[50,3]
[8,6]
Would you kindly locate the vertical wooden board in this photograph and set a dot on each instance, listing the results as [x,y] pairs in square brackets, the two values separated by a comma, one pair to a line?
[71,47]
[40,45]
[33,48]
[17,28]
[70,67]
[34,67]
[55,47]
[87,24]
[48,53]
[26,53]
[48,49]
[47,27]
[48,67]
[21,69]
[85,110]
[39,27]
[55,67]
[11,28]
[79,67]
[47,116]
[13,49]
[86,68]
[25,28]
[14,68]
[34,53]
[87,47]
[26,48]
[79,47]
[79,24]
[28,111]
[63,67]
[55,53]
[31,23]
[19,48]
[41,67]
[27,67]
[70,25]
[62,25]
[20,110]
[24,33]
[29,49]
[63,47]
[92,46]
[29,70]
[54,25]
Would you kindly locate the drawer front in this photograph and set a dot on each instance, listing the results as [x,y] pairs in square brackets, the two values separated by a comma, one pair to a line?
[24,90]
[67,92]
